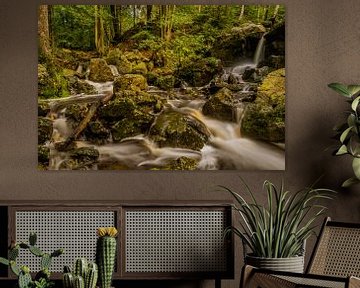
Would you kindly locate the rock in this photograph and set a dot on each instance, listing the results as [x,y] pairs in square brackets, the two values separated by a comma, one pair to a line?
[199,72]
[182,163]
[220,106]
[139,68]
[265,119]
[45,130]
[77,86]
[83,158]
[276,61]
[100,71]
[249,29]
[165,82]
[51,83]
[133,82]
[176,130]
[232,79]
[96,132]
[248,74]
[43,109]
[125,128]
[43,155]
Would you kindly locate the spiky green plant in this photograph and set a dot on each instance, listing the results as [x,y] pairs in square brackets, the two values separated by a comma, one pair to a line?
[349,132]
[106,254]
[85,274]
[42,278]
[279,229]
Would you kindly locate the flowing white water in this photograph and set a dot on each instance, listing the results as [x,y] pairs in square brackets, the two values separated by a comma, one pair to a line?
[260,51]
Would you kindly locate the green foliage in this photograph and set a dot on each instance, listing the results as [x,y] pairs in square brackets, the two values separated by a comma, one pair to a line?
[279,229]
[349,132]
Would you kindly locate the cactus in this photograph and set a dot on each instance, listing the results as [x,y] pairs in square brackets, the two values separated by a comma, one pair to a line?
[91,276]
[80,267]
[105,255]
[88,273]
[24,280]
[23,273]
[79,282]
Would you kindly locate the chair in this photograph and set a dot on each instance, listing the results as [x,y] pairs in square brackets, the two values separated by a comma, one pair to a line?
[335,262]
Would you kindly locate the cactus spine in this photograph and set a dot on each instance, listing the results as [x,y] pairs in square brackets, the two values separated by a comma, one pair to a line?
[106,254]
[84,276]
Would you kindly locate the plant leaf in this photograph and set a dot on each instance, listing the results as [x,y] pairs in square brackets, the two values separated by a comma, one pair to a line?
[342,150]
[349,182]
[353,89]
[340,88]
[355,103]
[356,167]
[345,134]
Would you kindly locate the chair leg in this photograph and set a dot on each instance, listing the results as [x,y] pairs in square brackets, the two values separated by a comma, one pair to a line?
[246,273]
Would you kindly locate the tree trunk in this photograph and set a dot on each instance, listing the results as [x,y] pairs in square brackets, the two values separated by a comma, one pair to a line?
[266,12]
[276,11]
[134,14]
[99,31]
[116,22]
[148,13]
[242,11]
[43,32]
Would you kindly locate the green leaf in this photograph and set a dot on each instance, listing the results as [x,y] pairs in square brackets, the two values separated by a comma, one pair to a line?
[353,89]
[345,134]
[349,182]
[355,103]
[351,120]
[4,261]
[340,88]
[356,167]
[342,150]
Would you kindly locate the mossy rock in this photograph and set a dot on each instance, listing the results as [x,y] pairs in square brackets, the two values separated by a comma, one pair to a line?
[43,155]
[83,158]
[76,112]
[220,106]
[265,119]
[165,82]
[133,82]
[43,109]
[139,68]
[96,132]
[176,130]
[51,82]
[45,130]
[100,71]
[126,104]
[182,163]
[125,128]
[199,72]
[77,86]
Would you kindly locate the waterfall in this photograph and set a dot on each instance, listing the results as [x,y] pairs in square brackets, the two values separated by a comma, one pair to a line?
[260,51]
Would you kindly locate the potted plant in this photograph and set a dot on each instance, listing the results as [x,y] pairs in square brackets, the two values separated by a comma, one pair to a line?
[349,132]
[276,233]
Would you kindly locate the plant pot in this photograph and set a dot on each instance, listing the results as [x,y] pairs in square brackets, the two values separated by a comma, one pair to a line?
[291,264]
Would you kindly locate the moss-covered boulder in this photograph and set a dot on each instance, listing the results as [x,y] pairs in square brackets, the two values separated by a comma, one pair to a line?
[238,42]
[165,82]
[43,155]
[220,106]
[96,132]
[199,72]
[43,109]
[182,163]
[139,68]
[77,86]
[117,58]
[133,82]
[125,128]
[45,130]
[265,119]
[83,158]
[100,71]
[51,82]
[176,130]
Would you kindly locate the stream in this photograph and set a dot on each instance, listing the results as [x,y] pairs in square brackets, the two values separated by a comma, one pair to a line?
[226,148]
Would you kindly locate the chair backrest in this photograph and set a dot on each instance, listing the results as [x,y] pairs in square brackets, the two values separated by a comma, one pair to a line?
[337,251]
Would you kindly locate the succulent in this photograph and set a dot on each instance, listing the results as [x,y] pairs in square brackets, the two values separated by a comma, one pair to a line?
[23,272]
[85,275]
[106,254]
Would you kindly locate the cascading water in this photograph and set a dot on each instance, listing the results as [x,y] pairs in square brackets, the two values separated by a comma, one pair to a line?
[260,51]
[225,149]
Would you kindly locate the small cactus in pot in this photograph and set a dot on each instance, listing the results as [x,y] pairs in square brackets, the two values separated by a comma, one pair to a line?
[85,275]
[106,254]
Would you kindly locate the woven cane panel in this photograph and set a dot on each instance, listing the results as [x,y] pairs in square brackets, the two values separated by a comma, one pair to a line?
[338,253]
[74,231]
[175,241]
[306,282]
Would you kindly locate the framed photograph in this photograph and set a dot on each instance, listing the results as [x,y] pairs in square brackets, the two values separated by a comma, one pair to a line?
[161,87]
